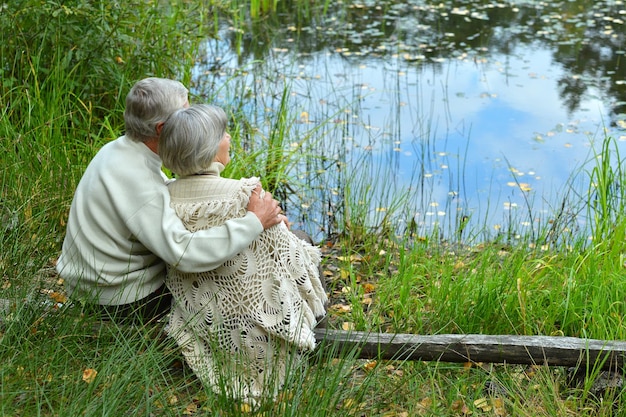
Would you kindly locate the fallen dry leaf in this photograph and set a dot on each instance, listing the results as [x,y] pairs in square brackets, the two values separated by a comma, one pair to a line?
[58,297]
[341,308]
[369,365]
[190,409]
[89,375]
[483,404]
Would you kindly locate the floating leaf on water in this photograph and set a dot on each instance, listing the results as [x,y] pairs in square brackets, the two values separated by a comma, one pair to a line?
[525,187]
[459,11]
[479,16]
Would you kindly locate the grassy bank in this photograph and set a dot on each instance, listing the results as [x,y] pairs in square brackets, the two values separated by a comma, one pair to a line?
[65,72]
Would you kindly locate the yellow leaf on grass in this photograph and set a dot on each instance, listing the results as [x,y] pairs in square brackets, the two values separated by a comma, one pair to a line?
[58,297]
[498,407]
[483,404]
[426,402]
[460,407]
[190,409]
[341,308]
[346,325]
[89,375]
[351,258]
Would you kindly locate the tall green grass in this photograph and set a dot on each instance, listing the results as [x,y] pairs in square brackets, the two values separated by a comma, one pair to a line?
[62,98]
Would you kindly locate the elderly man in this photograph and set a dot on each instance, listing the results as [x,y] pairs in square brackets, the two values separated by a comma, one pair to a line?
[121,231]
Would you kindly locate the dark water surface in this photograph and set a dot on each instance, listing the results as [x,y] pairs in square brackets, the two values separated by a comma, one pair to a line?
[436,112]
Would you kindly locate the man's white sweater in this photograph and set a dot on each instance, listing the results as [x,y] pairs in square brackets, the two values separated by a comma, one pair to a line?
[121,230]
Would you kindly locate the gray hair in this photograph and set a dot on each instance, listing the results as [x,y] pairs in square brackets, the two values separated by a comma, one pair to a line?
[190,138]
[149,103]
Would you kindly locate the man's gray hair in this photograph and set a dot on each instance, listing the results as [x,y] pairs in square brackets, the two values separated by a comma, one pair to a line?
[149,103]
[190,138]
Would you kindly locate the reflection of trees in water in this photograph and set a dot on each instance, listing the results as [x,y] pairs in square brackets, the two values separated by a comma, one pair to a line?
[587,38]
[593,62]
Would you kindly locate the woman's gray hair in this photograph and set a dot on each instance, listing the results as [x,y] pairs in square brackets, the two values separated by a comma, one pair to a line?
[149,103]
[190,138]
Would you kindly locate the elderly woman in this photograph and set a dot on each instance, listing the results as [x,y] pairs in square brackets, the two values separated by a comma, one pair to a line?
[242,324]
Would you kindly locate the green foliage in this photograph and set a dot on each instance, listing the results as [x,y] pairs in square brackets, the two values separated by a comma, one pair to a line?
[99,48]
[261,7]
[65,70]
[607,198]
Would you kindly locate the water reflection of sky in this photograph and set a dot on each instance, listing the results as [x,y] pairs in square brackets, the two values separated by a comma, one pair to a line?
[490,126]
[461,134]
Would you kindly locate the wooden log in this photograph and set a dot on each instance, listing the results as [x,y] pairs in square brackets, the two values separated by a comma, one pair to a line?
[531,350]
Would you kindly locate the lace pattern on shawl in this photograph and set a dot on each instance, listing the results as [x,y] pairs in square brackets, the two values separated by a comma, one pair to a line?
[255,308]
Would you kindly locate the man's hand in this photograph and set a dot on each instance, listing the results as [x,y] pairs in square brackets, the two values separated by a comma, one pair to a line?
[266,209]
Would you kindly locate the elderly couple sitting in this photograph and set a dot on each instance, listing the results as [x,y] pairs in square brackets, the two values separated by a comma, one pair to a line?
[243,293]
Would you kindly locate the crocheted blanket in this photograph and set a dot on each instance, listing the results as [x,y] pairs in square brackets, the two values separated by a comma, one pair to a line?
[242,325]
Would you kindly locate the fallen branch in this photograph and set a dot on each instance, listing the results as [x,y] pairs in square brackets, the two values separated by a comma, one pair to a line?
[531,350]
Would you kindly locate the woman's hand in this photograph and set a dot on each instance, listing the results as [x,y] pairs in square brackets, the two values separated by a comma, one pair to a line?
[266,208]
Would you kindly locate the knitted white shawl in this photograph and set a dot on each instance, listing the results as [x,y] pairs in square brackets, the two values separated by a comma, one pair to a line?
[255,310]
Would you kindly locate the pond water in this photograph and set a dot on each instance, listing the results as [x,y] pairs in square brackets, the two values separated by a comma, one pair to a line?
[490,113]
